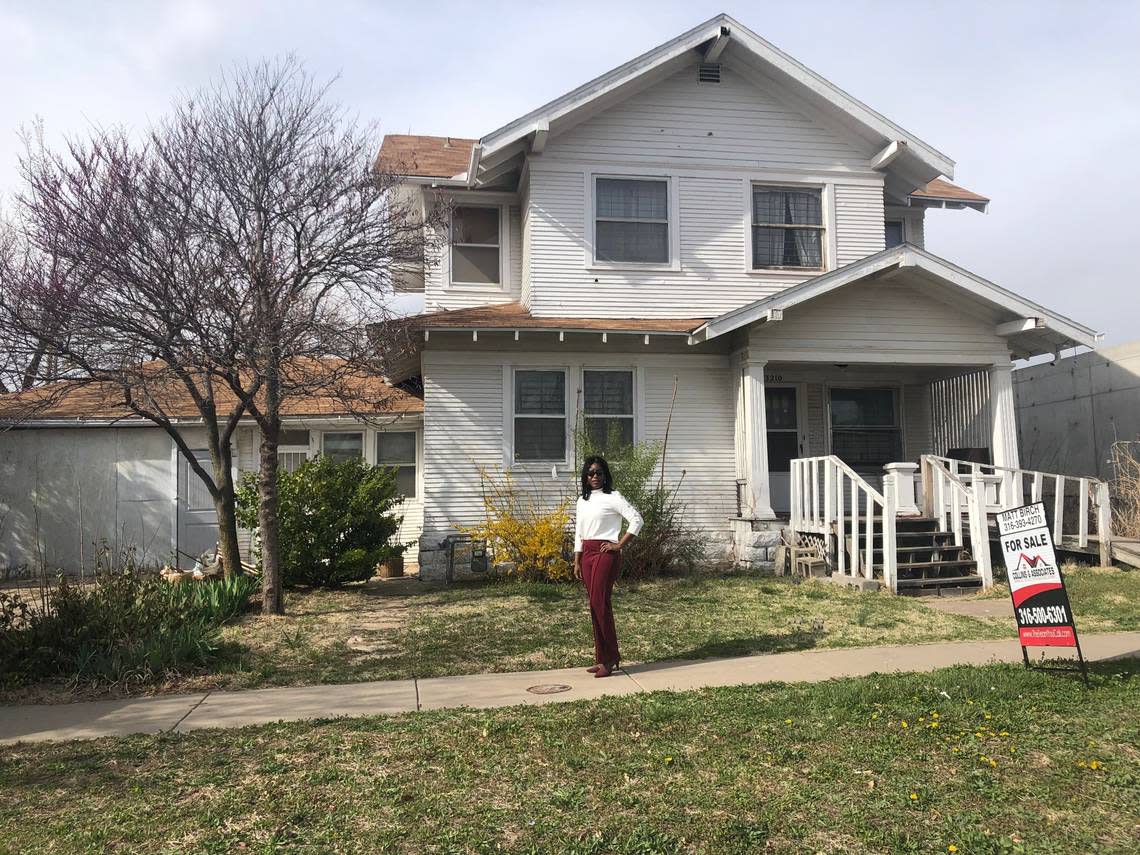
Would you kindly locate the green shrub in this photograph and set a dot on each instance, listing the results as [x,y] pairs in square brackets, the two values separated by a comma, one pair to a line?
[122,627]
[664,544]
[336,521]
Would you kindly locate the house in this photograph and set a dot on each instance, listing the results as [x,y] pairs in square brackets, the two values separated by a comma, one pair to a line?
[77,469]
[710,238]
[713,216]
[1070,411]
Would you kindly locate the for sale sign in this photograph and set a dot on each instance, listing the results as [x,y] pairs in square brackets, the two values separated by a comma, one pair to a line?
[1040,602]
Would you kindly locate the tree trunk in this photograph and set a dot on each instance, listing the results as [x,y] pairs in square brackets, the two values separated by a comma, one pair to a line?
[225,504]
[272,600]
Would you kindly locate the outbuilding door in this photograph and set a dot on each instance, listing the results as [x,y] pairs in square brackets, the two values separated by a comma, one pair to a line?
[197,519]
[785,441]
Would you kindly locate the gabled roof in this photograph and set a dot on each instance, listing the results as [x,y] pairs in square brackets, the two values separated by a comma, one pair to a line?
[428,157]
[1030,329]
[720,31]
[514,316]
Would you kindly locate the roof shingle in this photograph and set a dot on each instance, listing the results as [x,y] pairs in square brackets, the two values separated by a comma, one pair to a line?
[427,157]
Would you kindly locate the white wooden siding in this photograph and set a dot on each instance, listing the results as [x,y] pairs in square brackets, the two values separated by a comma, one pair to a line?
[714,240]
[701,439]
[463,429]
[858,222]
[440,294]
[879,322]
[466,427]
[918,430]
[731,124]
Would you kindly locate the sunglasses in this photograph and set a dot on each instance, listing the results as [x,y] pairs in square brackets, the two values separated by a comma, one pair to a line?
[590,473]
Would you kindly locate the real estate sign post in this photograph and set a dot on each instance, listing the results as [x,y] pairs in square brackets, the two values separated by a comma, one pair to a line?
[1040,601]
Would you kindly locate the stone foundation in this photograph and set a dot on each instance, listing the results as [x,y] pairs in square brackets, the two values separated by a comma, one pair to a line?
[755,543]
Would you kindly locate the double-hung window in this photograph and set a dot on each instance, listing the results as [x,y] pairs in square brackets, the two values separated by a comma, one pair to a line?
[540,415]
[787,227]
[342,446]
[631,220]
[607,408]
[475,246]
[292,449]
[397,449]
[865,430]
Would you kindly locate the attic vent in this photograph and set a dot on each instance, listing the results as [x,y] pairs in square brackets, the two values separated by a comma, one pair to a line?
[708,72]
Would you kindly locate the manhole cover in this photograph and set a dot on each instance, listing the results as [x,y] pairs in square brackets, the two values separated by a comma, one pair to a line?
[549,689]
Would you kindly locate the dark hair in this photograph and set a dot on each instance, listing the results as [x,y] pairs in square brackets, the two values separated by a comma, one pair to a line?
[607,478]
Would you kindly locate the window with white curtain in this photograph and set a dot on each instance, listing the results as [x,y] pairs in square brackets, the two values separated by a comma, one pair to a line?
[631,220]
[540,415]
[397,449]
[475,245]
[787,227]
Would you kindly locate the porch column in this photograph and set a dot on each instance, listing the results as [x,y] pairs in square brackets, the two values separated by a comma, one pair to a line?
[756,439]
[1003,429]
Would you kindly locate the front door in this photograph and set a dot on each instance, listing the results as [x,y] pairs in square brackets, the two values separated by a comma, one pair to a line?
[197,519]
[785,443]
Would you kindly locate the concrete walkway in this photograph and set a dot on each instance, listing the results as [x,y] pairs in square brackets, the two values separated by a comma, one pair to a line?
[181,713]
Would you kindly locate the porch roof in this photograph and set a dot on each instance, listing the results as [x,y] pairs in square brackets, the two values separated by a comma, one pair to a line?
[1030,329]
[513,316]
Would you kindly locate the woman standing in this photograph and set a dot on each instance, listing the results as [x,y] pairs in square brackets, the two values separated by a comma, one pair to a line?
[597,554]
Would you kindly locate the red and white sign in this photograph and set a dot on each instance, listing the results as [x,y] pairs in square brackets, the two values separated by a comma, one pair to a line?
[1040,601]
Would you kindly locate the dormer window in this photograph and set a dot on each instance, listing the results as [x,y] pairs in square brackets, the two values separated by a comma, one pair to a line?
[631,220]
[787,228]
[475,246]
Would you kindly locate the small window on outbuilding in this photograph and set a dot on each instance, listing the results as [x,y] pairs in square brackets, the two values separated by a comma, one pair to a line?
[397,449]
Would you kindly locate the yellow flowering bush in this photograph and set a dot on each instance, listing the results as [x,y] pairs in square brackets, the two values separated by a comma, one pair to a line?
[523,530]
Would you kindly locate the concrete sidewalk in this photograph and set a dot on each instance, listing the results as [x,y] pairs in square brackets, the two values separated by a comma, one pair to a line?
[181,713]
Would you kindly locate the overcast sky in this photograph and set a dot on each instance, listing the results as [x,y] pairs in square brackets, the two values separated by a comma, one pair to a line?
[1039,103]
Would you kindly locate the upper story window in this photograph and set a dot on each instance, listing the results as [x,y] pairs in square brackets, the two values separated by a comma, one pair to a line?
[397,449]
[787,227]
[540,415]
[631,220]
[607,407]
[893,233]
[475,246]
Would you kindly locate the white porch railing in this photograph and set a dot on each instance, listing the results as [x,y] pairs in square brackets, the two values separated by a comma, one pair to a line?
[828,497]
[947,498]
[1072,498]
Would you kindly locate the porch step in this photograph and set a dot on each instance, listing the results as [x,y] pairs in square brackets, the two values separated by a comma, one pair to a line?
[945,552]
[942,585]
[936,565]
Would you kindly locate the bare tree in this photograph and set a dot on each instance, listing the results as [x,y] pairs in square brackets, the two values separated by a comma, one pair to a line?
[240,255]
[140,310]
[311,233]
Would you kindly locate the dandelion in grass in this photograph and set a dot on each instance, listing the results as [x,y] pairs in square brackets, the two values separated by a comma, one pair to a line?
[914,797]
[951,848]
[903,724]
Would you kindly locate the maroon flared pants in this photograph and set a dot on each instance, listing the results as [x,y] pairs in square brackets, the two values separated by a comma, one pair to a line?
[599,572]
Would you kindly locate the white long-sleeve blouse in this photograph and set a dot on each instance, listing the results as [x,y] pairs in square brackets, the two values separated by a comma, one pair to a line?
[599,517]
